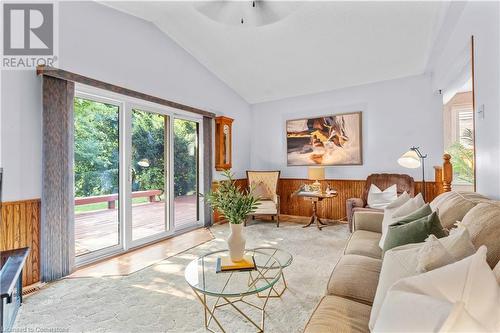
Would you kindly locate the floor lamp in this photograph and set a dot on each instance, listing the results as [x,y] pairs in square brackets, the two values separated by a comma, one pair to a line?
[413,159]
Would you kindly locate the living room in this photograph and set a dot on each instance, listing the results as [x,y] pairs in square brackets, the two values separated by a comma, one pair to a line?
[342,125]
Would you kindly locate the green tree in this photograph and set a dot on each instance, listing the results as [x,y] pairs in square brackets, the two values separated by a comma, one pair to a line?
[148,145]
[462,157]
[96,148]
[185,160]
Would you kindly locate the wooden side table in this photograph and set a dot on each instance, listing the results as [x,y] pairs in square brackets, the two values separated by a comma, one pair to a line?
[315,198]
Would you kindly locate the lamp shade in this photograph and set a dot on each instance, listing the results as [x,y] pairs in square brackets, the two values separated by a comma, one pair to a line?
[316,173]
[410,160]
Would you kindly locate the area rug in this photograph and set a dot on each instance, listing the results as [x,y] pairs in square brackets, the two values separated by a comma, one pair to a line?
[157,298]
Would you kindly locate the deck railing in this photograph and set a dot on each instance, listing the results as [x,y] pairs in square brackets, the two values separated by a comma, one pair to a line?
[111,198]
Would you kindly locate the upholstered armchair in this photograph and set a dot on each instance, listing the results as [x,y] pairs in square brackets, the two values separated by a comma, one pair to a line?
[404,183]
[264,185]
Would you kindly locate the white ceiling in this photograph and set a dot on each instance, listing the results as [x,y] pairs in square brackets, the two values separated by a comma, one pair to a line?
[306,48]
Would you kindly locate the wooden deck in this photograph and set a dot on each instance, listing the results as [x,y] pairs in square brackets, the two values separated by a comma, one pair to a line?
[99,229]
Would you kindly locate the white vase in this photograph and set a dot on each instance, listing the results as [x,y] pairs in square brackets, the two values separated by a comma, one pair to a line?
[236,242]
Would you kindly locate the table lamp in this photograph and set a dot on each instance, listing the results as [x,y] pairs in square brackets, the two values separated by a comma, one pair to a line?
[413,159]
[316,174]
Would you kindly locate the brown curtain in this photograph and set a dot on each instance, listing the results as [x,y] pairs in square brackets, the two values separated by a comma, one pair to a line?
[57,224]
[207,165]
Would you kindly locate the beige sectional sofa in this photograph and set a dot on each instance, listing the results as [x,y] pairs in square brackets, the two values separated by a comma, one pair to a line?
[353,283]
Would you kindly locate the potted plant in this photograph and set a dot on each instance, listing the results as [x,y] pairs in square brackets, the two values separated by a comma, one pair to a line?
[234,204]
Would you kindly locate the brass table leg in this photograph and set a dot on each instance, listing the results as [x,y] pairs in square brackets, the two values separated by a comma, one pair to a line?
[315,217]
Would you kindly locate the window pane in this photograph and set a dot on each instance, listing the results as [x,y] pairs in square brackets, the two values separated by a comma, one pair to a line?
[459,138]
[149,153]
[185,172]
[96,163]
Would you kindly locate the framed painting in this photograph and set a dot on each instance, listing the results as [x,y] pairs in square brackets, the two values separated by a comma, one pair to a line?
[325,140]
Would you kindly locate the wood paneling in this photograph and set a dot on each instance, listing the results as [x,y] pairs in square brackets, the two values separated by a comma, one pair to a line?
[334,208]
[20,227]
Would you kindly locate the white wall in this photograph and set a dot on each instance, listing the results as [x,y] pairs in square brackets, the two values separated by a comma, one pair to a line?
[480,19]
[397,114]
[111,46]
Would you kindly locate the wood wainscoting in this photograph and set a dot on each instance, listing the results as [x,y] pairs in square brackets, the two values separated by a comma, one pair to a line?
[20,227]
[334,208]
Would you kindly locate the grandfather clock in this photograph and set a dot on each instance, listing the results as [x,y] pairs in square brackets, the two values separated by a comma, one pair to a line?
[223,143]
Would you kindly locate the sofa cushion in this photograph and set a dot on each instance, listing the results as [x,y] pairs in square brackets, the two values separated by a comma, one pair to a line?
[452,206]
[364,243]
[483,224]
[368,221]
[339,315]
[266,207]
[355,277]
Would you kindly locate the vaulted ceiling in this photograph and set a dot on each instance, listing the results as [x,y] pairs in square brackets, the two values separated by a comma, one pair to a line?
[286,49]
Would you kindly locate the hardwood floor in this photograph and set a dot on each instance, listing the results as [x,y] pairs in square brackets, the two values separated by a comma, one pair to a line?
[143,257]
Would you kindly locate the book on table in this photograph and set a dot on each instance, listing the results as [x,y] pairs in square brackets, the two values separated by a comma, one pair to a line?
[224,264]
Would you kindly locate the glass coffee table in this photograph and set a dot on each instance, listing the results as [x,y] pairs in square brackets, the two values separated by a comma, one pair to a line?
[232,288]
[284,258]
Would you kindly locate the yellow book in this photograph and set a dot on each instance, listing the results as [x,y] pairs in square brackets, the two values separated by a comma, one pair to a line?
[225,264]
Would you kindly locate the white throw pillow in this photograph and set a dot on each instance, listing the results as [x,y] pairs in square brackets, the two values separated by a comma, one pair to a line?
[459,297]
[380,199]
[437,252]
[458,243]
[391,214]
[399,262]
[496,270]
[411,312]
[460,321]
[391,208]
[432,255]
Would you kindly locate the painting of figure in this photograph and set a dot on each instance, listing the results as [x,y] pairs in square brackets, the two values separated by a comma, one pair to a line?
[327,140]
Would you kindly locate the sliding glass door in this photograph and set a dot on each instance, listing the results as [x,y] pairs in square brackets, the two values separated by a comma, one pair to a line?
[136,173]
[149,176]
[186,173]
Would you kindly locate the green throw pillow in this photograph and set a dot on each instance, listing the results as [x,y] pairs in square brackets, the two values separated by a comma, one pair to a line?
[423,211]
[401,233]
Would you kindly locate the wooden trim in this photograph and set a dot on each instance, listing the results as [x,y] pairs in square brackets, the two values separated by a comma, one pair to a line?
[447,173]
[438,176]
[69,76]
[20,227]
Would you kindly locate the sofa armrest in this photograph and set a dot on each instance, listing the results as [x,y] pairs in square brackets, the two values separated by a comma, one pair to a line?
[352,203]
[368,221]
